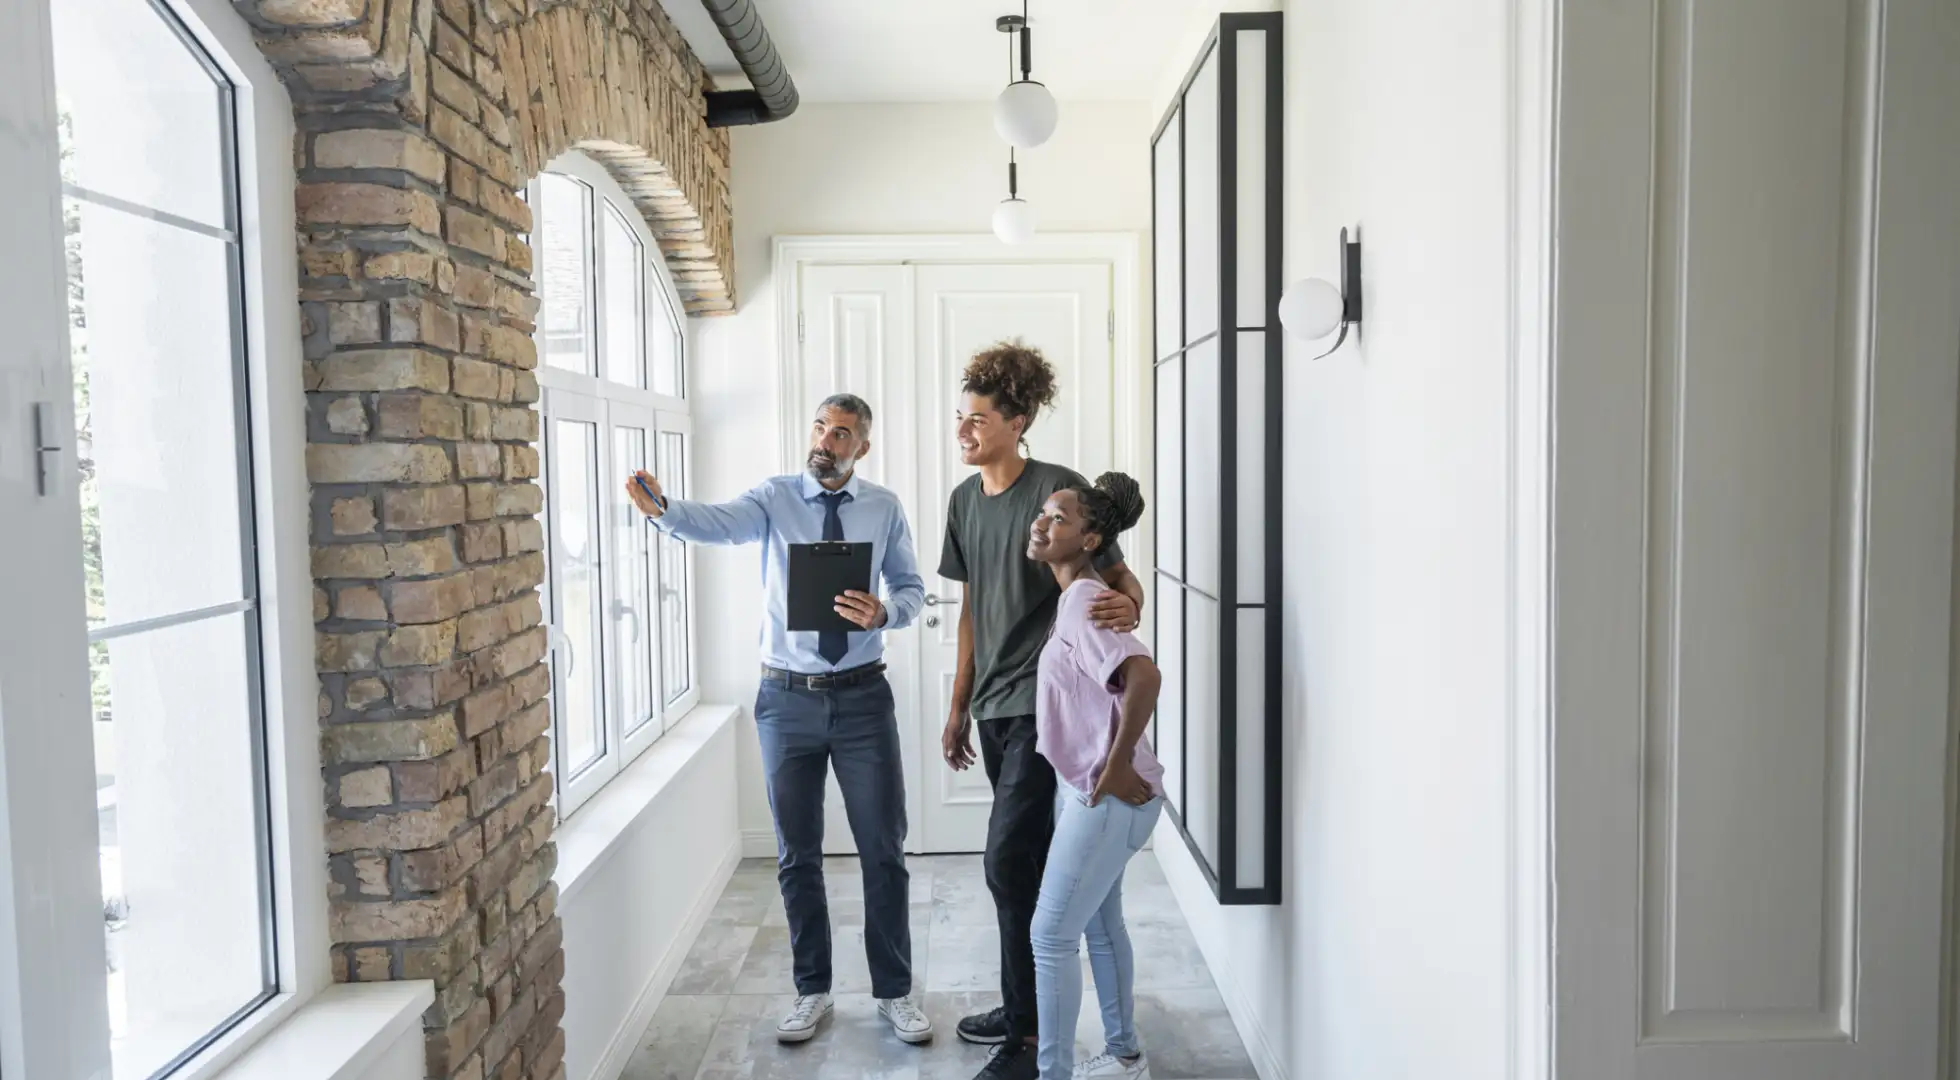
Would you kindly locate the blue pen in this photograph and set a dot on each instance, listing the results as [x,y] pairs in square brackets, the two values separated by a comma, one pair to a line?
[659,501]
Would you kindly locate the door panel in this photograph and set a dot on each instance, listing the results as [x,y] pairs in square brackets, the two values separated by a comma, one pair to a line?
[1753,575]
[855,340]
[1063,310]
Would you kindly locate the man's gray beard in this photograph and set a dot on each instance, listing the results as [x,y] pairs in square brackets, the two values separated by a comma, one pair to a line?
[822,471]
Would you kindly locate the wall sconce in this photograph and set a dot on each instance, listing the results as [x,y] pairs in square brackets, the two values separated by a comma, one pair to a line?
[1311,308]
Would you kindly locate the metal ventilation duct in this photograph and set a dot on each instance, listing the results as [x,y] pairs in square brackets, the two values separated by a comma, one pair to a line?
[774,95]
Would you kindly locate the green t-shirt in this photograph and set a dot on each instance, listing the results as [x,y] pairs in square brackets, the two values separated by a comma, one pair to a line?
[1011,597]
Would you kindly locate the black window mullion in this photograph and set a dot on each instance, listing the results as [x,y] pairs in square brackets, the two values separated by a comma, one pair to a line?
[1275,456]
[1184,456]
[1228,379]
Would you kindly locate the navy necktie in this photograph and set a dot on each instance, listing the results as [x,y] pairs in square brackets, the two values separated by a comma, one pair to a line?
[833,644]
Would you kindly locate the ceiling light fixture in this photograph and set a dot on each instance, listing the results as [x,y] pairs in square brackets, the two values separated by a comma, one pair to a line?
[1014,217]
[1025,112]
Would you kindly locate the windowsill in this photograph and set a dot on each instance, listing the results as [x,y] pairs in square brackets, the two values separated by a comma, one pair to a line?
[590,837]
[339,1034]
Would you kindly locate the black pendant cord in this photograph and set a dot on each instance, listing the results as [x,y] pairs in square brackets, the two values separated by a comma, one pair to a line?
[1013,179]
[1027,46]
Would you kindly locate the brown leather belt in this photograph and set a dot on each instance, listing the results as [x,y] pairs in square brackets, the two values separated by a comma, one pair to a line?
[835,680]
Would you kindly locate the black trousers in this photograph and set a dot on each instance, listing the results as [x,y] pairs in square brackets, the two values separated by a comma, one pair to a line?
[1018,832]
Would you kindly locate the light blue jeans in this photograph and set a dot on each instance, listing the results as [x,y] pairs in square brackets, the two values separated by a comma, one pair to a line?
[1082,895]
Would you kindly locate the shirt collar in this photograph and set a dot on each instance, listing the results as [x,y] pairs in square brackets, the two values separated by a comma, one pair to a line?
[811,488]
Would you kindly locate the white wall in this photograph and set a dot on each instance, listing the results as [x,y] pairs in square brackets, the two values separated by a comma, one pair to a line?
[860,169]
[1389,958]
[640,867]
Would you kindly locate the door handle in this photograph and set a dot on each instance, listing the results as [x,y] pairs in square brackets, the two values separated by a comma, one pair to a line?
[623,610]
[559,640]
[933,600]
[43,448]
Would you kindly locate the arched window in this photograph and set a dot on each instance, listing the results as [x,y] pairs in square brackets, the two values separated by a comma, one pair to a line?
[156,321]
[618,594]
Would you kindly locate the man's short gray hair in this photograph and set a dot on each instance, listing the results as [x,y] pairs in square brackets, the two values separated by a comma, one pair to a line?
[850,403]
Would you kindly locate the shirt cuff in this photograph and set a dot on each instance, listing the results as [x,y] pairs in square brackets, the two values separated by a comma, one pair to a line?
[668,521]
[899,615]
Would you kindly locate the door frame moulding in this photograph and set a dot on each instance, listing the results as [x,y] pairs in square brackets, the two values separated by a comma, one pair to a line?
[1532,73]
[1122,250]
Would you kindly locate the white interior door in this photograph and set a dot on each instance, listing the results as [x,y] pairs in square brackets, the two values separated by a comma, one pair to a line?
[898,335]
[1752,585]
[1063,310]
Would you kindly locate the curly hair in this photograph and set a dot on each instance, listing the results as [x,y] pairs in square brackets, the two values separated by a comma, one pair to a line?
[1113,504]
[1015,376]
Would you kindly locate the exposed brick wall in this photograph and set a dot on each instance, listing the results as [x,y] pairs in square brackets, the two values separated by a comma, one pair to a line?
[419,122]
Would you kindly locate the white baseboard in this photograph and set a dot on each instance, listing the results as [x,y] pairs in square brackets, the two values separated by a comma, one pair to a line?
[759,844]
[1194,898]
[619,1050]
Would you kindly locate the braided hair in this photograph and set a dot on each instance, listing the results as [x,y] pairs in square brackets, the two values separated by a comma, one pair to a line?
[1113,504]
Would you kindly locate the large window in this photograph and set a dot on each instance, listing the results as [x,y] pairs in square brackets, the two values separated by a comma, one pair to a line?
[156,321]
[1216,195]
[610,333]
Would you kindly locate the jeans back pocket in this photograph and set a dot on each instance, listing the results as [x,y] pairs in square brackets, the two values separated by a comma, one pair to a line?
[1143,822]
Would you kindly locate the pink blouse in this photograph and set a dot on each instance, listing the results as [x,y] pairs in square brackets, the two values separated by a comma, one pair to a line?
[1077,704]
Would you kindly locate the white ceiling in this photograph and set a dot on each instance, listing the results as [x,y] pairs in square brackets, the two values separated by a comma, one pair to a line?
[948,50]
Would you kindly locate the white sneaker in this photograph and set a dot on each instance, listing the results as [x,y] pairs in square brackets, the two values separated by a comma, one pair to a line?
[804,1018]
[912,1025]
[1107,1066]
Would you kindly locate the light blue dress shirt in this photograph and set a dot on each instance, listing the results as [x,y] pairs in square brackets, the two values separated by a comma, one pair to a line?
[785,510]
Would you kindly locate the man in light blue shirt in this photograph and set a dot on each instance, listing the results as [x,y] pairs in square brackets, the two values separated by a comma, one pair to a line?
[824,700]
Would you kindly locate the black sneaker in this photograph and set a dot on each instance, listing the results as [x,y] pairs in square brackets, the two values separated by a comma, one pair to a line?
[986,1029]
[1014,1060]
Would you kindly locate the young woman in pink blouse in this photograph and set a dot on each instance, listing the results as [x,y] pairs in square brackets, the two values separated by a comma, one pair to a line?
[1096,691]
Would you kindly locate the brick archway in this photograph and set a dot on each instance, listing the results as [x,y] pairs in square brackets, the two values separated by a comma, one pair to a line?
[576,82]
[418,122]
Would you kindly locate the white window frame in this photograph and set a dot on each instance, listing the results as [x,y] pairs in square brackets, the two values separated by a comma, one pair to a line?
[612,406]
[53,1015]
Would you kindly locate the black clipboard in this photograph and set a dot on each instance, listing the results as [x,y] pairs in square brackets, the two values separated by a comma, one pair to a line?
[818,574]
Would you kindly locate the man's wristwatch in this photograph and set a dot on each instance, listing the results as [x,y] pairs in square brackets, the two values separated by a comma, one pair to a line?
[658,500]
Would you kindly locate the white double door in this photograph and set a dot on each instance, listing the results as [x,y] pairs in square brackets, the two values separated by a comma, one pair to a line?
[899,335]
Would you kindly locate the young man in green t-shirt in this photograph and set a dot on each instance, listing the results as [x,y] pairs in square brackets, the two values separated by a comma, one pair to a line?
[1007,607]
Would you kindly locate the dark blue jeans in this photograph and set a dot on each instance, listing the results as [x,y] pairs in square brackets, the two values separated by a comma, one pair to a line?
[853,729]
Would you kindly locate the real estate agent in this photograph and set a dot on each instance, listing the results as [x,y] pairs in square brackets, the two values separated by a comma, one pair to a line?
[824,701]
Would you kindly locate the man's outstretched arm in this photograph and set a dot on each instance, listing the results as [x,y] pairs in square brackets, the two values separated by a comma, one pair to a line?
[741,521]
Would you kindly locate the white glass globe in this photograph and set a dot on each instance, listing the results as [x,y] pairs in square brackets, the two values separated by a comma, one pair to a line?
[1025,114]
[1310,309]
[1014,221]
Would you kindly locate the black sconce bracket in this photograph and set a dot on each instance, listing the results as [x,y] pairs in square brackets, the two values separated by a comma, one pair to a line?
[1350,289]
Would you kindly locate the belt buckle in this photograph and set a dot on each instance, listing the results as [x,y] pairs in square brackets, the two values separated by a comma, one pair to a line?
[819,682]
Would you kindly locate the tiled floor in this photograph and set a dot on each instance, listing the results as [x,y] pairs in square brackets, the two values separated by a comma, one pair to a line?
[718,1021]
